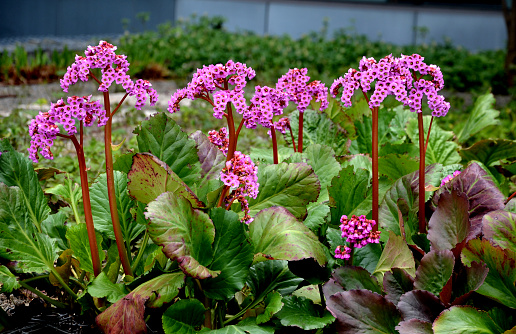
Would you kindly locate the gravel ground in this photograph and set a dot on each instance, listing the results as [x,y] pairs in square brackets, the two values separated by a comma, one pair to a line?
[38,97]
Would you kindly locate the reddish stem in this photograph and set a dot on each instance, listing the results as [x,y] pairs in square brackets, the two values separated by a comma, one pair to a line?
[238,131]
[374,154]
[300,133]
[274,145]
[119,104]
[95,78]
[422,151]
[86,203]
[222,196]
[122,252]
[510,197]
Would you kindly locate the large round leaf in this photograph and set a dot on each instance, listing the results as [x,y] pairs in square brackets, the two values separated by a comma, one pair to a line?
[300,312]
[186,234]
[465,320]
[232,256]
[277,234]
[434,271]
[292,186]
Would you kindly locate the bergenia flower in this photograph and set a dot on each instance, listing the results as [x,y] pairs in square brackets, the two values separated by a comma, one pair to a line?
[394,76]
[295,84]
[113,69]
[448,178]
[241,175]
[44,128]
[220,139]
[358,231]
[208,80]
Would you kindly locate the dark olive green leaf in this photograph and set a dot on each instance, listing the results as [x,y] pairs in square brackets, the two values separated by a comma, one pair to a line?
[77,236]
[54,226]
[273,275]
[186,234]
[232,256]
[396,283]
[16,170]
[490,151]
[20,241]
[102,287]
[291,186]
[183,316]
[9,282]
[440,149]
[124,162]
[162,137]
[160,290]
[365,133]
[481,116]
[367,257]
[102,213]
[300,312]
[348,194]
[394,166]
[325,166]
[273,304]
[317,216]
[356,278]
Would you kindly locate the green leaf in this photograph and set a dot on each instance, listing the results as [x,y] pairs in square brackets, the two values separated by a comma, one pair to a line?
[273,275]
[273,304]
[9,282]
[434,271]
[102,213]
[403,195]
[54,226]
[367,257]
[365,133]
[183,316]
[232,256]
[500,228]
[77,235]
[124,162]
[396,254]
[16,170]
[186,234]
[449,224]
[319,129]
[102,287]
[291,186]
[277,234]
[358,161]
[348,194]
[162,137]
[20,241]
[499,283]
[317,216]
[482,116]
[300,312]
[265,155]
[363,311]
[243,329]
[467,320]
[394,166]
[149,177]
[398,125]
[490,151]
[441,149]
[346,117]
[356,278]
[325,166]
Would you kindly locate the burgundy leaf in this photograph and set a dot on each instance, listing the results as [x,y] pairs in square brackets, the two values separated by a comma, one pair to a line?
[395,283]
[421,305]
[124,317]
[414,326]
[363,311]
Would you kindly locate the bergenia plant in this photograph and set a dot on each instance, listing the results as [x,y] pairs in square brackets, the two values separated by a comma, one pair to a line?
[45,127]
[409,79]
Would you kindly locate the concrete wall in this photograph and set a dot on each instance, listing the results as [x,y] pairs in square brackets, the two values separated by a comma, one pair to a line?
[473,29]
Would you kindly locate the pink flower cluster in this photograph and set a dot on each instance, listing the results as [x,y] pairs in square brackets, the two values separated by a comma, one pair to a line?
[220,139]
[267,102]
[103,56]
[44,129]
[295,84]
[395,76]
[241,175]
[211,79]
[282,125]
[358,231]
[448,178]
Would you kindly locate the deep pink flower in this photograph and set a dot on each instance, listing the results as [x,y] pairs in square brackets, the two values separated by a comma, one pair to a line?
[358,231]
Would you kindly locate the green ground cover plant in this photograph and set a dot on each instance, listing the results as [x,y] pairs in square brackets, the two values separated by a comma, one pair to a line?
[360,214]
